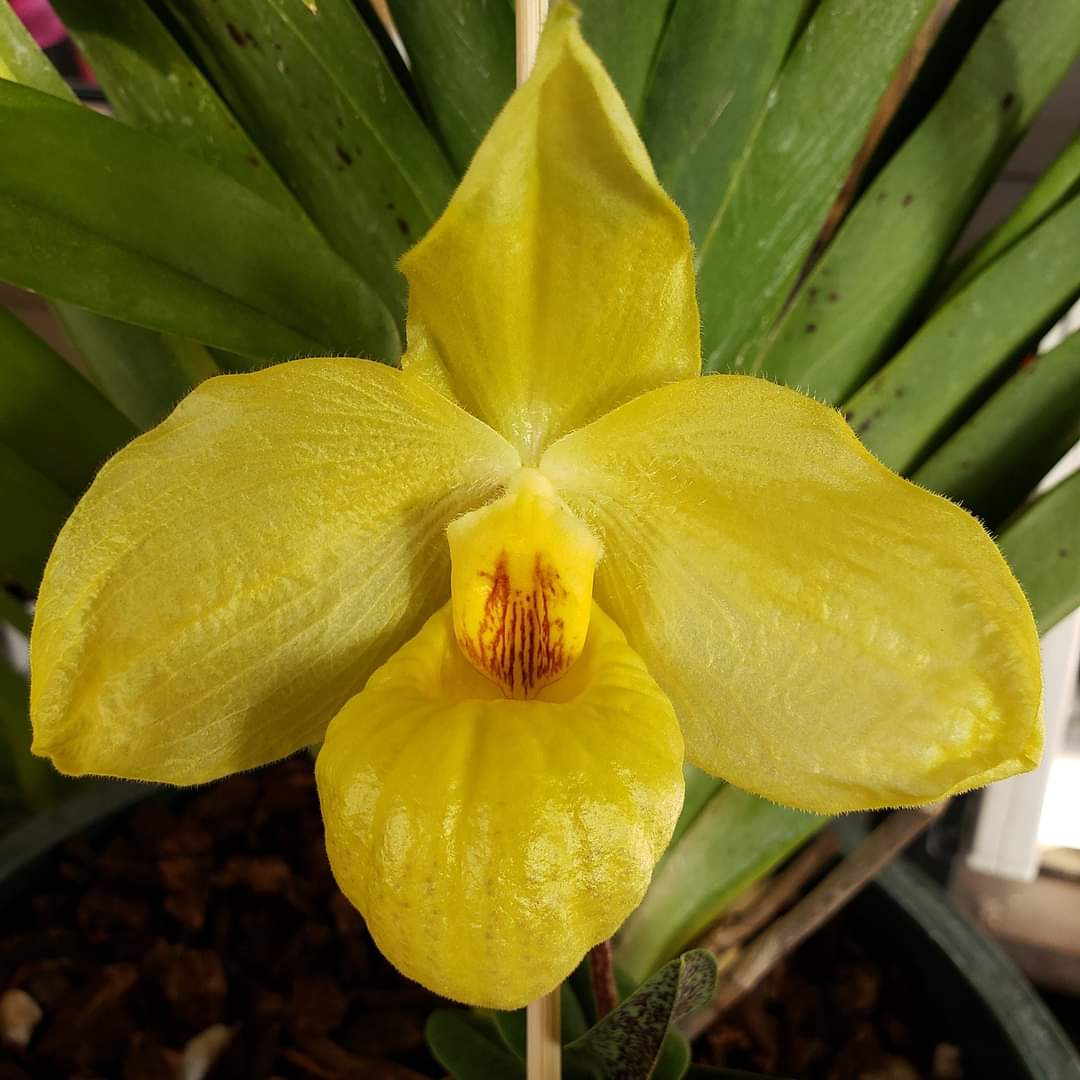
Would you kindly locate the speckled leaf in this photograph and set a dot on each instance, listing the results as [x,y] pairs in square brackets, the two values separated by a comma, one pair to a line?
[852,303]
[816,118]
[1042,545]
[736,839]
[462,54]
[469,1048]
[998,456]
[151,83]
[906,409]
[717,62]
[121,222]
[50,414]
[626,37]
[626,1044]
[1060,182]
[314,90]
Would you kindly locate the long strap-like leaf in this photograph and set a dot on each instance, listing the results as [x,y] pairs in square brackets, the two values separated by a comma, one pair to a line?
[817,117]
[315,92]
[122,223]
[852,304]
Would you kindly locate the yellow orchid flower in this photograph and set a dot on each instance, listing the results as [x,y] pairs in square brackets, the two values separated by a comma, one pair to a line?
[507,583]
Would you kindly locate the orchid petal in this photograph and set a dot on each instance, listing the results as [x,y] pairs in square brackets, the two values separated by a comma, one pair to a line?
[234,575]
[832,636]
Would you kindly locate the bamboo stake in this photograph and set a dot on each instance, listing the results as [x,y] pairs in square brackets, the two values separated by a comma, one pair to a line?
[530,20]
[543,1037]
[542,1028]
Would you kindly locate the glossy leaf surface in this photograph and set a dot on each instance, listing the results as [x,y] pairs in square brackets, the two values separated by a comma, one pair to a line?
[734,840]
[470,1048]
[462,54]
[50,414]
[122,223]
[905,409]
[817,116]
[627,1042]
[717,62]
[1058,184]
[314,90]
[145,375]
[998,456]
[151,83]
[1042,544]
[626,37]
[892,243]
[35,508]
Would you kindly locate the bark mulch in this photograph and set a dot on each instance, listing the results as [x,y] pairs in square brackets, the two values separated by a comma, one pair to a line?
[203,937]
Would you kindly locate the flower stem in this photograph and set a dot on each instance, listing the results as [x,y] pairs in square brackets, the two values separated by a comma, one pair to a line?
[530,20]
[602,970]
[544,1057]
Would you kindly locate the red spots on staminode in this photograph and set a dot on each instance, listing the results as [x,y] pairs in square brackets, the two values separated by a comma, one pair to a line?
[519,642]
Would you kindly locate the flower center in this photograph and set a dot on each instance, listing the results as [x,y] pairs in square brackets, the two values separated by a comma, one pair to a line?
[521,586]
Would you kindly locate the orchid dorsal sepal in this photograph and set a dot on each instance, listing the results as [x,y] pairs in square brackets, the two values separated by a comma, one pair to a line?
[521,582]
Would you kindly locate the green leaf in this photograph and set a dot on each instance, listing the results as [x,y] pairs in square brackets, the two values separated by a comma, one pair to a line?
[626,1044]
[789,176]
[734,841]
[143,374]
[512,1025]
[151,83]
[49,414]
[1060,182]
[717,62]
[22,61]
[904,410]
[674,1059]
[462,54]
[998,456]
[699,789]
[34,510]
[118,221]
[36,779]
[469,1048]
[853,302]
[315,92]
[1042,545]
[113,351]
[626,36]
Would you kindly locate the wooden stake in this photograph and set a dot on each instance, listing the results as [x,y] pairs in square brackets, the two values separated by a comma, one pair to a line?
[544,1058]
[530,20]
[543,1016]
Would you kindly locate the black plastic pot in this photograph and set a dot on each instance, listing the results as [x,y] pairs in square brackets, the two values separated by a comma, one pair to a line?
[1005,1030]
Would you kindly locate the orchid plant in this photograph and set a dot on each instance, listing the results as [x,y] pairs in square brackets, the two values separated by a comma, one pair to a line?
[510,586]
[579,542]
